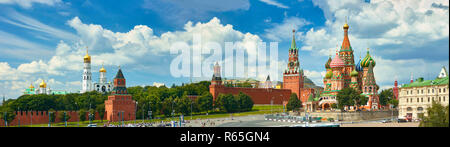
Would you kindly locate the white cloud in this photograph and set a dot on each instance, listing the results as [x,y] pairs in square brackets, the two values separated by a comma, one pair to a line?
[20,20]
[283,31]
[29,3]
[138,49]
[274,3]
[381,23]
[398,32]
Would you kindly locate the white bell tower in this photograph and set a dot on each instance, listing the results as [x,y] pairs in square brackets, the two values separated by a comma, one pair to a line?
[87,74]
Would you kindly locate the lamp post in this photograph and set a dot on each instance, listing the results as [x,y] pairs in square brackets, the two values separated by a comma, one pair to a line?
[150,112]
[135,116]
[90,115]
[65,120]
[173,111]
[6,121]
[271,106]
[76,105]
[49,118]
[123,123]
[19,117]
[143,114]
[31,117]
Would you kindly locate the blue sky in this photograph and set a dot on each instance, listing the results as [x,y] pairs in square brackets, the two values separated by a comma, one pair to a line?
[46,39]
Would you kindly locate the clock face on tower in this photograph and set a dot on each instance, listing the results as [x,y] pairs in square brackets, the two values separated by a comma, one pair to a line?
[291,64]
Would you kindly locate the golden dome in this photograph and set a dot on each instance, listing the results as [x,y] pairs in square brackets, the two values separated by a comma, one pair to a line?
[102,69]
[43,84]
[87,58]
[31,86]
[345,26]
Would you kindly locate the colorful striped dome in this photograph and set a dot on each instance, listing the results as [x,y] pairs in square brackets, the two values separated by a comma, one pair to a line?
[327,65]
[337,62]
[358,66]
[367,60]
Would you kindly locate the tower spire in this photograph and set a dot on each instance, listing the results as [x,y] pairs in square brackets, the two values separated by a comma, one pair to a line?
[293,45]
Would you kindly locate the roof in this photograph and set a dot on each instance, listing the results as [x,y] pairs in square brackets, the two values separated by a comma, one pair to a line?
[420,82]
[346,42]
[337,62]
[293,45]
[119,74]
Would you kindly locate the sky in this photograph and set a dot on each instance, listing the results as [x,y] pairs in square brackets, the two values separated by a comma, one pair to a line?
[47,39]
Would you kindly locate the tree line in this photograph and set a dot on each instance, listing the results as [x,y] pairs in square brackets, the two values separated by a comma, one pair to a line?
[151,101]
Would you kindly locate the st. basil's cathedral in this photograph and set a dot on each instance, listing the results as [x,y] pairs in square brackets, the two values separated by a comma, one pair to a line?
[341,72]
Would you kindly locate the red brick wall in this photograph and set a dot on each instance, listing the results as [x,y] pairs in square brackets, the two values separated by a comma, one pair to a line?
[293,83]
[258,95]
[41,117]
[119,103]
[305,92]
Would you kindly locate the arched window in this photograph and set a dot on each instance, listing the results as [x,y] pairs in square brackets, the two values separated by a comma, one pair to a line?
[370,89]
[409,109]
[419,108]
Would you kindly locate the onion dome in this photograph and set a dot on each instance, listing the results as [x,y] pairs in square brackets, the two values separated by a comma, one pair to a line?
[354,73]
[329,74]
[358,66]
[367,60]
[87,58]
[43,84]
[102,69]
[337,62]
[345,26]
[31,86]
[327,65]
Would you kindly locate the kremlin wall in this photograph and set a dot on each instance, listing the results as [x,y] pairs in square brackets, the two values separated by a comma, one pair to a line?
[42,117]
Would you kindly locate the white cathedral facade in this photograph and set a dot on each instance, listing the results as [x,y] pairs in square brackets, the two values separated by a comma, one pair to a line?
[102,86]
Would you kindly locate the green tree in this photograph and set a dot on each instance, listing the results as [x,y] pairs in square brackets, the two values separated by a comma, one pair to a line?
[100,108]
[183,105]
[334,106]
[63,117]
[386,96]
[393,102]
[7,115]
[226,103]
[350,97]
[205,102]
[245,103]
[167,106]
[437,116]
[294,103]
[82,115]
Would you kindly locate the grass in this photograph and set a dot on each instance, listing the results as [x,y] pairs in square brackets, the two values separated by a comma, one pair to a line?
[256,110]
